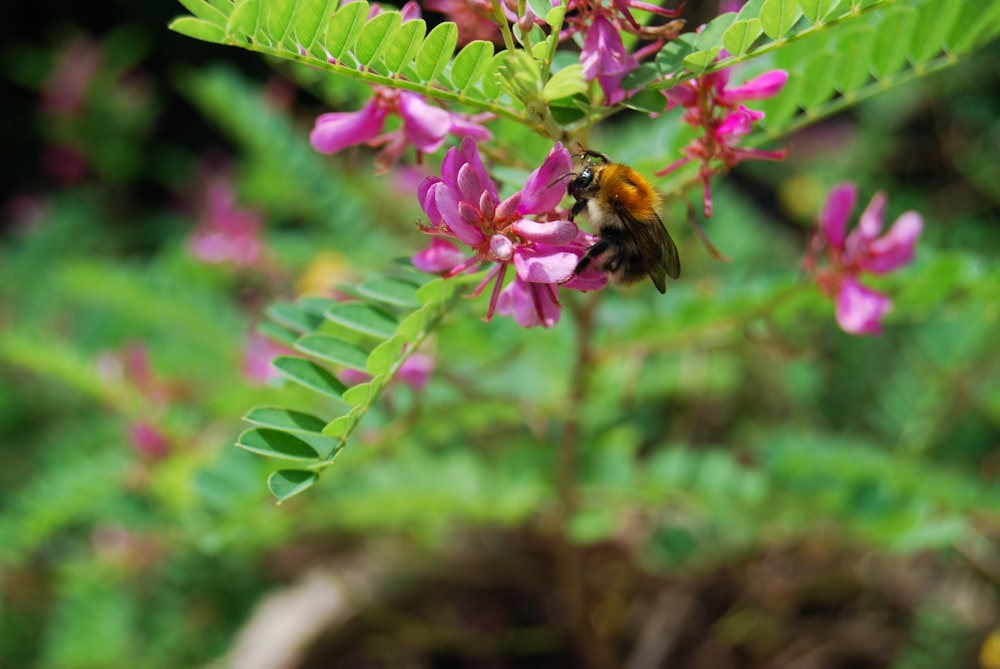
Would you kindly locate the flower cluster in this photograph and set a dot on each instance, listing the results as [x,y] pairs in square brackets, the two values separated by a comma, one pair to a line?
[717,110]
[463,206]
[849,255]
[604,56]
[423,125]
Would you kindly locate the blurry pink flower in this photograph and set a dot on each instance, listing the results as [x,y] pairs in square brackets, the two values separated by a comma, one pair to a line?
[148,441]
[65,88]
[715,109]
[463,206]
[848,255]
[424,126]
[258,352]
[226,233]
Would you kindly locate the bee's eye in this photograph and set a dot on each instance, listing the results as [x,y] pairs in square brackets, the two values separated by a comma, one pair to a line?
[583,180]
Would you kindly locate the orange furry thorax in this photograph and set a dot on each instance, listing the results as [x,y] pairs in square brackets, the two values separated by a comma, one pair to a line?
[621,184]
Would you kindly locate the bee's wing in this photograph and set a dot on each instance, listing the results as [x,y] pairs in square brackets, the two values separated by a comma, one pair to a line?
[653,239]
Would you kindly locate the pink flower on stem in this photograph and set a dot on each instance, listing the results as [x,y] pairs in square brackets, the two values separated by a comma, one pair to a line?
[463,206]
[603,55]
[717,110]
[848,255]
[423,125]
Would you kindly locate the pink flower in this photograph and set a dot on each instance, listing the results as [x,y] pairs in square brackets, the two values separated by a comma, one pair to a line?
[225,232]
[848,255]
[463,205]
[716,109]
[424,126]
[603,55]
[258,352]
[604,58]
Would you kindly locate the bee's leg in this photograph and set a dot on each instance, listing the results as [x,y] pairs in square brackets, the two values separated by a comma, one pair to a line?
[578,206]
[599,247]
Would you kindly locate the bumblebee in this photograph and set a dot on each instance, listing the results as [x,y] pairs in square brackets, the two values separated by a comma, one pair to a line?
[633,242]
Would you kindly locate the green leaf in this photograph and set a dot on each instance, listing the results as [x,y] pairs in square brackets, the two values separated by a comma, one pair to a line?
[975,26]
[648,101]
[817,80]
[345,27]
[414,324]
[490,82]
[671,57]
[710,36]
[436,50]
[333,349]
[700,61]
[385,355]
[309,16]
[285,420]
[244,19]
[375,36]
[818,11]
[565,83]
[740,36]
[205,11]
[279,15]
[309,374]
[404,44]
[853,73]
[340,427]
[276,444]
[892,38]
[777,17]
[931,30]
[470,63]
[277,334]
[390,291]
[293,317]
[363,394]
[198,29]
[286,483]
[363,318]
[436,291]
[751,10]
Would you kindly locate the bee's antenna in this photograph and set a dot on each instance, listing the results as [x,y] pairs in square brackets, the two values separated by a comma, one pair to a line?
[554,182]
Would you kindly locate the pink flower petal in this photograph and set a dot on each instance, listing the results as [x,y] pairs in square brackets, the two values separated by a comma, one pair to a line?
[428,198]
[426,126]
[439,257]
[896,247]
[555,233]
[544,188]
[530,304]
[544,264]
[836,212]
[870,223]
[860,309]
[336,131]
[448,205]
[766,85]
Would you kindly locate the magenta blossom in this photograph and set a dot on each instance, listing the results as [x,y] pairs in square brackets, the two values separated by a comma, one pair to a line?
[463,206]
[859,309]
[423,125]
[603,55]
[717,110]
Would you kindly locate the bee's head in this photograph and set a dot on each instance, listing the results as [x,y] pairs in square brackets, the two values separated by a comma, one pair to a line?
[582,182]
